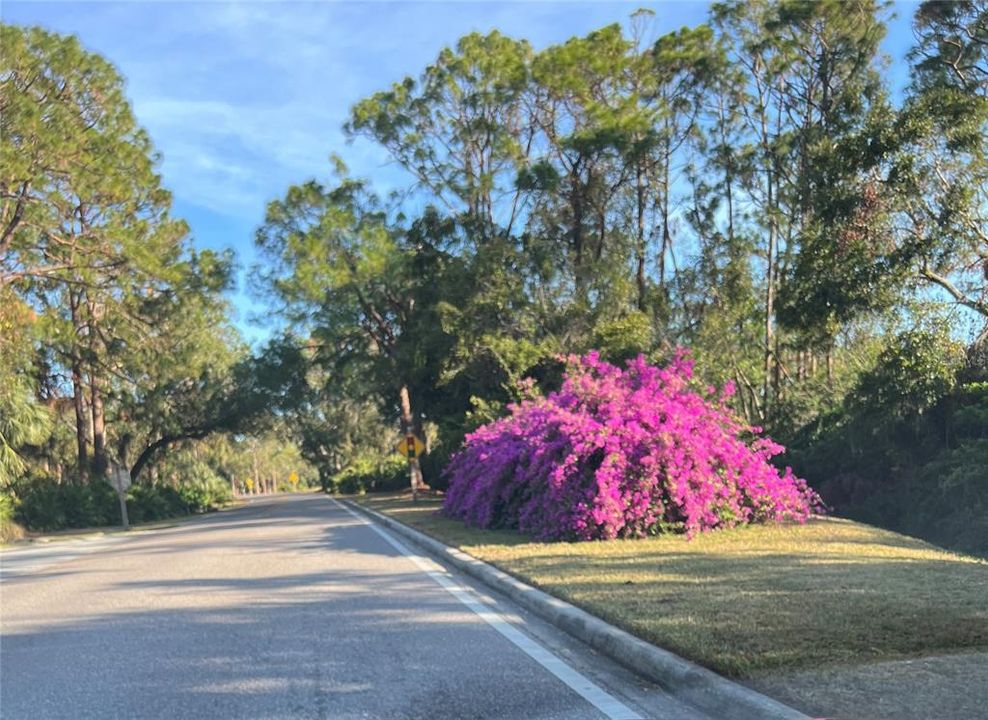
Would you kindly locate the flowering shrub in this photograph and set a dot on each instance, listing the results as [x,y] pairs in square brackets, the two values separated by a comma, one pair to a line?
[621,453]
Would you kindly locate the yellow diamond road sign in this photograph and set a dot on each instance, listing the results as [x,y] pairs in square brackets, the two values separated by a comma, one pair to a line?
[410,446]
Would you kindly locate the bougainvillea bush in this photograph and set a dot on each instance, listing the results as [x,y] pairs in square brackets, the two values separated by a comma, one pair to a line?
[622,453]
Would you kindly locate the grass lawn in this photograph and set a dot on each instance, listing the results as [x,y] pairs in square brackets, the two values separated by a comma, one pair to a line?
[753,600]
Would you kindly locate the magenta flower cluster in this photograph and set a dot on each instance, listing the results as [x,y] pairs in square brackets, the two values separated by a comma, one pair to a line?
[622,453]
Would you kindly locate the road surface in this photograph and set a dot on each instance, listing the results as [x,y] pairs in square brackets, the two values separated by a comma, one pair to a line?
[290,607]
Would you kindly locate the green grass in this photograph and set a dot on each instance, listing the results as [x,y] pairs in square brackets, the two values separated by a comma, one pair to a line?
[752,600]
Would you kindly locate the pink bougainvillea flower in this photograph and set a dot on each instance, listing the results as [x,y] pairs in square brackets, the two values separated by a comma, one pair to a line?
[622,453]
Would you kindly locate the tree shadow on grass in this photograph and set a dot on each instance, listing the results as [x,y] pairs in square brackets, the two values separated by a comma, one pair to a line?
[742,615]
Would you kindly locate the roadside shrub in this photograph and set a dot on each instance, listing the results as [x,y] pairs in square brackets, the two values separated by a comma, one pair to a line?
[198,486]
[433,464]
[906,447]
[205,494]
[42,503]
[622,453]
[9,530]
[146,503]
[371,474]
[45,504]
[6,508]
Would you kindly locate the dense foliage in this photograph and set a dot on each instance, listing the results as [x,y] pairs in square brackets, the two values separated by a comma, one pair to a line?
[621,453]
[43,504]
[752,188]
[116,349]
[908,447]
[371,474]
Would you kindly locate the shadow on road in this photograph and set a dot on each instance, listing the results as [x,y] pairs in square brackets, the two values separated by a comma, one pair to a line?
[292,609]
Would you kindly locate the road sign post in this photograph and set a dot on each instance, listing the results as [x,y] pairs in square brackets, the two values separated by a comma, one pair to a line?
[412,447]
[120,479]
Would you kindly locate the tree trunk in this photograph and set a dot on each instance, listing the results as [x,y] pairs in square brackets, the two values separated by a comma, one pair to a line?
[408,427]
[579,277]
[100,463]
[641,249]
[145,457]
[149,451]
[777,371]
[666,196]
[769,306]
[81,420]
[79,393]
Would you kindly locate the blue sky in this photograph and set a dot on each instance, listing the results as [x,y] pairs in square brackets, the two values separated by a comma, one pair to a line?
[243,99]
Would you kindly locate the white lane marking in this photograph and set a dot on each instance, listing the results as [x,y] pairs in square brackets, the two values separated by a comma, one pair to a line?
[592,693]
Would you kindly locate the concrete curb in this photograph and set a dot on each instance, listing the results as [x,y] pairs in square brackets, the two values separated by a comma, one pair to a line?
[684,680]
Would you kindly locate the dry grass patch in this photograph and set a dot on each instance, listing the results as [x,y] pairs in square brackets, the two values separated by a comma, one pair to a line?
[754,599]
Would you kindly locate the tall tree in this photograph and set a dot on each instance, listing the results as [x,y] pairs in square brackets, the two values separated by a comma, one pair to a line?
[87,237]
[346,280]
[944,167]
[85,220]
[461,129]
[901,200]
[809,80]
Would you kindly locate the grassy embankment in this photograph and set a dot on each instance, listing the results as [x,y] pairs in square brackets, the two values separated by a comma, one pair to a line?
[751,600]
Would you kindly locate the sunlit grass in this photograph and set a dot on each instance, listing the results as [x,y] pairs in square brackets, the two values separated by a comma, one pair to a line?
[753,599]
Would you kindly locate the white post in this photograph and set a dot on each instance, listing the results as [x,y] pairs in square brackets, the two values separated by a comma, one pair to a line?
[121,481]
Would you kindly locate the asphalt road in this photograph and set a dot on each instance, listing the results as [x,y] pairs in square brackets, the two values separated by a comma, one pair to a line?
[290,607]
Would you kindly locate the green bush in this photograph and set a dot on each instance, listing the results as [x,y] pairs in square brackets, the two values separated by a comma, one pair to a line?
[433,465]
[42,503]
[9,530]
[912,374]
[6,509]
[623,338]
[205,494]
[45,504]
[146,503]
[303,485]
[199,487]
[371,474]
[908,447]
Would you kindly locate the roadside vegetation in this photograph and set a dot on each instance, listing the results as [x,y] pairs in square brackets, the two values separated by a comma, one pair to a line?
[619,453]
[753,190]
[116,344]
[750,189]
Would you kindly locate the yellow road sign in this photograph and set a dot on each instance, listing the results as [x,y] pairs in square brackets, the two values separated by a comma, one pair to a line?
[410,446]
